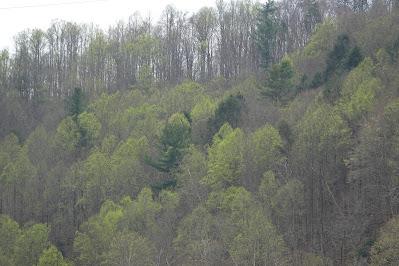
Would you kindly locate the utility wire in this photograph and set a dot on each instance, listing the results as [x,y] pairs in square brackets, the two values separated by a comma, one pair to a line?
[52,4]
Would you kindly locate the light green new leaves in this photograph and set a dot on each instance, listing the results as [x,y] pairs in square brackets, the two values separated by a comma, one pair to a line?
[204,109]
[320,131]
[200,114]
[96,234]
[226,158]
[18,170]
[192,168]
[52,257]
[231,219]
[27,246]
[84,131]
[182,98]
[97,175]
[120,233]
[89,127]
[250,236]
[359,92]
[136,121]
[30,244]
[266,147]
[68,134]
[268,188]
[320,41]
[141,215]
[127,168]
[9,232]
[234,201]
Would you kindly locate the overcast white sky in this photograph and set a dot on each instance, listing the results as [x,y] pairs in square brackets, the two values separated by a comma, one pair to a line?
[14,19]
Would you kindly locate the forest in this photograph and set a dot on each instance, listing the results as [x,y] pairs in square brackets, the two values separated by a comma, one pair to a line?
[249,133]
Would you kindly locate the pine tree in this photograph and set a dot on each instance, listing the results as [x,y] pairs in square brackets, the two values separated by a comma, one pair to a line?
[266,32]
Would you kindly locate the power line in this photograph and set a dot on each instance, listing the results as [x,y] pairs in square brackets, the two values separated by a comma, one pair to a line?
[52,4]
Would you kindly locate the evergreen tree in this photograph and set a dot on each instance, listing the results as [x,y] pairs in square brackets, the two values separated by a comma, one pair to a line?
[266,32]
[228,111]
[76,103]
[280,83]
[175,139]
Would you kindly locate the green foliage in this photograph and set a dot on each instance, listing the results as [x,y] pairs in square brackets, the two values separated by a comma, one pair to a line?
[323,138]
[188,175]
[141,215]
[386,249]
[79,131]
[76,103]
[201,113]
[203,109]
[97,172]
[183,98]
[376,33]
[280,82]
[89,128]
[284,201]
[137,121]
[340,59]
[226,158]
[96,235]
[176,133]
[227,111]
[30,245]
[232,220]
[26,246]
[68,135]
[52,257]
[337,57]
[106,107]
[120,234]
[359,91]
[226,187]
[236,202]
[9,232]
[354,58]
[128,167]
[250,236]
[321,39]
[266,31]
[323,129]
[19,170]
[175,139]
[266,147]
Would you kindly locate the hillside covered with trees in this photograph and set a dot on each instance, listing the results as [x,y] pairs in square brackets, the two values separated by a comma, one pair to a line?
[246,134]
